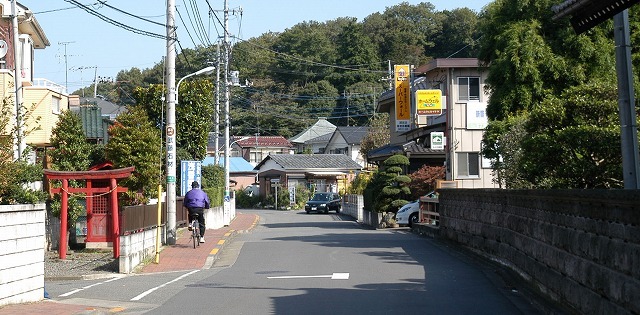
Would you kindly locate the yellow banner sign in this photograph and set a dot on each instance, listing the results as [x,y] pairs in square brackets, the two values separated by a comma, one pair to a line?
[429,102]
[403,93]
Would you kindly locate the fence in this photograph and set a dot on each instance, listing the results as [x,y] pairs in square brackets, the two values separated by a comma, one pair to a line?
[429,211]
[141,217]
[22,245]
[353,205]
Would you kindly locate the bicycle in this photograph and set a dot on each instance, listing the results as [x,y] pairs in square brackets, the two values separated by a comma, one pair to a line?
[194,227]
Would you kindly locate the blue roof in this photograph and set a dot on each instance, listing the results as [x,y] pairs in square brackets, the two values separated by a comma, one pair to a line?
[236,164]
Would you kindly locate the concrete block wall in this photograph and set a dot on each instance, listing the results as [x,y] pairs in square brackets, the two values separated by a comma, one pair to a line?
[580,247]
[353,206]
[136,248]
[22,245]
[140,246]
[214,217]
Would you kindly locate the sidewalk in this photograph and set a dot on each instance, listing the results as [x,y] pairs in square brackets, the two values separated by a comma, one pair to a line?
[172,258]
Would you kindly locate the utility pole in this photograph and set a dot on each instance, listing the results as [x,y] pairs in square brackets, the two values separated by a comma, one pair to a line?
[227,46]
[95,78]
[66,65]
[216,156]
[170,128]
[17,76]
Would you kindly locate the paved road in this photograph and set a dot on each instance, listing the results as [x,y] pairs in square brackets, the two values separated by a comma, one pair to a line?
[295,263]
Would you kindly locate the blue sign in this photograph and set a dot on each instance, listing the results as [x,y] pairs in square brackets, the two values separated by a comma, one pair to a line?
[190,171]
[227,198]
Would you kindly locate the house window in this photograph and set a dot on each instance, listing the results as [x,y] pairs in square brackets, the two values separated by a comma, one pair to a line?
[469,88]
[468,164]
[55,105]
[256,156]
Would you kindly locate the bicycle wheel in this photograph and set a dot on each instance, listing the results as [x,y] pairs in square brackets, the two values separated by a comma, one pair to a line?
[194,234]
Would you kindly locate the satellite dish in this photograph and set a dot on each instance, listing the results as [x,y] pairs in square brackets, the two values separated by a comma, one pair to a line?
[3,48]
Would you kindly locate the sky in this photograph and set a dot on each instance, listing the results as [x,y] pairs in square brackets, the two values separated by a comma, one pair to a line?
[83,46]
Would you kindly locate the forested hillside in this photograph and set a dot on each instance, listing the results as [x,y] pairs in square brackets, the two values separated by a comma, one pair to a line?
[332,69]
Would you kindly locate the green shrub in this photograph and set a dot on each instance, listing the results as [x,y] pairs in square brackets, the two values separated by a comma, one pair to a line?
[244,201]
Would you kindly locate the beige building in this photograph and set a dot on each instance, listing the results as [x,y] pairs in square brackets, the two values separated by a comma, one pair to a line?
[461,119]
[42,100]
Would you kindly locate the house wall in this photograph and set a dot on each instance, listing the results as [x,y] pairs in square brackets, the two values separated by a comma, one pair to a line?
[460,138]
[338,143]
[38,100]
[6,80]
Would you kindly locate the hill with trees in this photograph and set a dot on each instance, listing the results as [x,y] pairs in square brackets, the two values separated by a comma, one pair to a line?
[332,69]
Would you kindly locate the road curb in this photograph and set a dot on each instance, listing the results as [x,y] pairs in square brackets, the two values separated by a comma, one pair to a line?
[215,252]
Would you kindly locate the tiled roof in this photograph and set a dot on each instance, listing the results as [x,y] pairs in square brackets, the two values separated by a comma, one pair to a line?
[321,127]
[411,146]
[313,161]
[321,139]
[353,135]
[236,164]
[263,141]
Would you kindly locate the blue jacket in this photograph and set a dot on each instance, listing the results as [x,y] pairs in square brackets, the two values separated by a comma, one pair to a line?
[196,198]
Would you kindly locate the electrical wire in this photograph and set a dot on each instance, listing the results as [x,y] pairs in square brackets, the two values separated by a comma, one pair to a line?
[114,22]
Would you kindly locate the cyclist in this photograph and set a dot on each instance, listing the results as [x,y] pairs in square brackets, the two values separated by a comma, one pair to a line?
[196,200]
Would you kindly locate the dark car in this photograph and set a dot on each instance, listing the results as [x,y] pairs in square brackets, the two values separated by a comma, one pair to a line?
[324,202]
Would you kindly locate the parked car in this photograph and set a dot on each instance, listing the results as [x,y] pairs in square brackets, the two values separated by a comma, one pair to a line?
[324,202]
[408,214]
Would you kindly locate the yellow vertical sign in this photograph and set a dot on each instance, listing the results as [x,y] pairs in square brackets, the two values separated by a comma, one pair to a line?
[402,97]
[429,102]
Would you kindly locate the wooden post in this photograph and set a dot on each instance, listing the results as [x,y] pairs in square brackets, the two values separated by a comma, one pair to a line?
[90,204]
[115,218]
[62,246]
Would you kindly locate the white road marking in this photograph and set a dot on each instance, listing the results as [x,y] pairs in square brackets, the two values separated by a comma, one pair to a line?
[334,276]
[145,293]
[89,286]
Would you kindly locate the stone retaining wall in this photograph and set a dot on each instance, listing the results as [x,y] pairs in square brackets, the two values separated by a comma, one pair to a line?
[580,247]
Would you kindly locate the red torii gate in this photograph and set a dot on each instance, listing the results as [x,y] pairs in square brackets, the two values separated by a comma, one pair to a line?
[90,176]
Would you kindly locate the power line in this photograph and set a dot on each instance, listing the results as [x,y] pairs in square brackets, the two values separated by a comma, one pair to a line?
[114,22]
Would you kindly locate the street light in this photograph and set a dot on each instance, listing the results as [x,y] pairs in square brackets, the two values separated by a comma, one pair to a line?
[206,70]
[171,136]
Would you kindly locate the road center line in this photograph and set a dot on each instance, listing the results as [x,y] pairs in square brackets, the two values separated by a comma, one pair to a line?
[145,293]
[334,276]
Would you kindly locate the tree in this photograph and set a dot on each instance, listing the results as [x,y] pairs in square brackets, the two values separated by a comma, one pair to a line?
[16,174]
[378,134]
[194,112]
[404,32]
[424,180]
[573,141]
[388,189]
[539,73]
[134,141]
[71,151]
[459,35]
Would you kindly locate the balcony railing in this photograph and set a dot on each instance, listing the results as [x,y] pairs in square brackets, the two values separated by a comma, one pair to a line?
[39,82]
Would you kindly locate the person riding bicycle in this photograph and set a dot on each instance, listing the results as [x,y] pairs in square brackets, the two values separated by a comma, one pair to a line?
[196,200]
